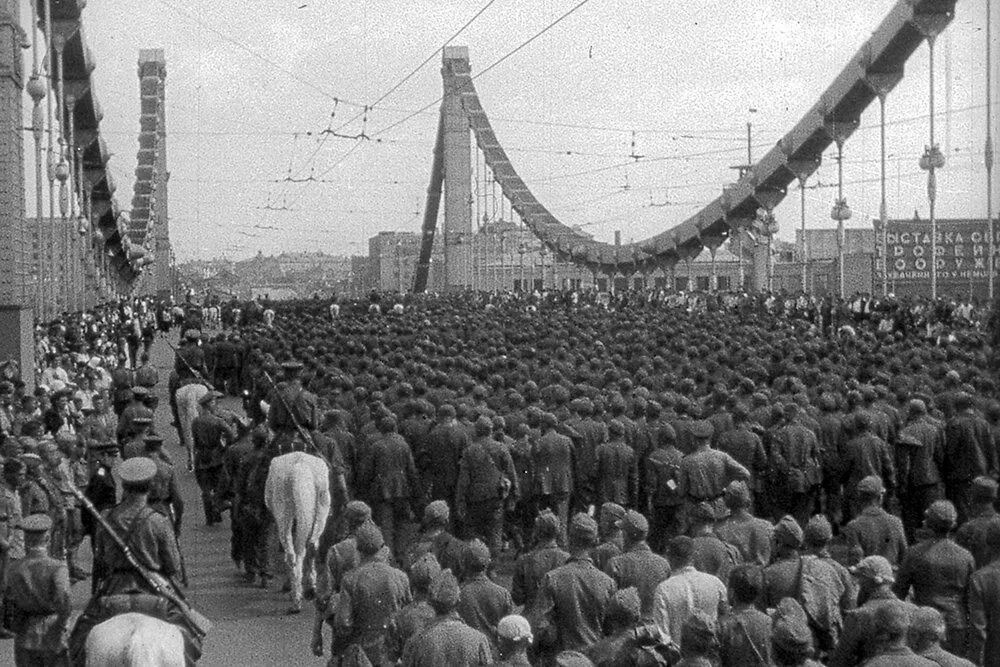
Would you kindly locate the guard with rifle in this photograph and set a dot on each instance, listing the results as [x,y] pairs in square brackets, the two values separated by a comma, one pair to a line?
[136,558]
[294,412]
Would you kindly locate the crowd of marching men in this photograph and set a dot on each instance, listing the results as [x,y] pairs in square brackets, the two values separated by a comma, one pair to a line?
[632,482]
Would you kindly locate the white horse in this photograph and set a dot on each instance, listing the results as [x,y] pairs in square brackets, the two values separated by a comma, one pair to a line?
[135,640]
[187,409]
[297,493]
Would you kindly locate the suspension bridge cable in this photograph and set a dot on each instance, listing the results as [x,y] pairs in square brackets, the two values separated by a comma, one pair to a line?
[489,67]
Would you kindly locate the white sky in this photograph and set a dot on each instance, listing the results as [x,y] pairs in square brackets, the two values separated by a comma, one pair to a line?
[247,79]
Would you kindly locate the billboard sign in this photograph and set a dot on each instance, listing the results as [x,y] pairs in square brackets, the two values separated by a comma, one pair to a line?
[961,250]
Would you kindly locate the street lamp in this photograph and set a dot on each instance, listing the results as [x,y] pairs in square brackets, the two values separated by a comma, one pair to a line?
[840,212]
[543,253]
[767,226]
[521,249]
[930,161]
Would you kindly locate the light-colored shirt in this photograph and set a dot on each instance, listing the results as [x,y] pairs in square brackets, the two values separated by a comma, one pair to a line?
[687,590]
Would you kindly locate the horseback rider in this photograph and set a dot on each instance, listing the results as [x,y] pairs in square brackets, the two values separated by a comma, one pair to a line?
[120,587]
[290,395]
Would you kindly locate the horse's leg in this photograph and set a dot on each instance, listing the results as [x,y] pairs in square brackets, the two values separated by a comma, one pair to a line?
[309,572]
[294,563]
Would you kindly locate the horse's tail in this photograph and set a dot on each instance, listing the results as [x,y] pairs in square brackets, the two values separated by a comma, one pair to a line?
[304,494]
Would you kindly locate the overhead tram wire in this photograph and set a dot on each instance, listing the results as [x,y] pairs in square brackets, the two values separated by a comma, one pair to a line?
[488,68]
[330,131]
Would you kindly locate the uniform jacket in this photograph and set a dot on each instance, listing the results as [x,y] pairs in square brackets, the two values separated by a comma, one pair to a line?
[938,571]
[482,603]
[617,473]
[446,640]
[969,450]
[388,471]
[484,465]
[875,532]
[38,588]
[641,568]
[751,536]
[984,616]
[370,596]
[568,612]
[211,435]
[553,464]
[745,638]
[530,568]
[972,535]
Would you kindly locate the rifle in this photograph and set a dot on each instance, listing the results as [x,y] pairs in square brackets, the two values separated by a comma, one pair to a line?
[177,540]
[298,427]
[199,623]
[341,483]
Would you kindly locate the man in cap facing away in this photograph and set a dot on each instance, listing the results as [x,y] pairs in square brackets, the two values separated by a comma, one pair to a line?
[543,558]
[446,640]
[568,611]
[891,624]
[370,596]
[482,603]
[514,638]
[972,534]
[938,572]
[686,591]
[749,534]
[874,531]
[638,566]
[859,642]
[37,590]
[705,472]
[984,606]
[927,631]
[745,633]
[415,616]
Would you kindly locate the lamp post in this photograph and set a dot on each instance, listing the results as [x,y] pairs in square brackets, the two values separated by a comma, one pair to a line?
[543,253]
[805,243]
[840,212]
[988,153]
[767,226]
[521,249]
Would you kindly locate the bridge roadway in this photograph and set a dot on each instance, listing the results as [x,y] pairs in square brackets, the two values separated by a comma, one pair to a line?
[250,625]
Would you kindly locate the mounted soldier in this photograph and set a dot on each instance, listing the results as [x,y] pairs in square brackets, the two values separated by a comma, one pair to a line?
[135,561]
[292,407]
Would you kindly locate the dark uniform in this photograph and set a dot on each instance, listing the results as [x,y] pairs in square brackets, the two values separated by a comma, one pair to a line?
[388,480]
[291,404]
[481,490]
[211,435]
[553,460]
[120,588]
[37,590]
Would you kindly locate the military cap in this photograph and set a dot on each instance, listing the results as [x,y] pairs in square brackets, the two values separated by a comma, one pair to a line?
[192,334]
[634,524]
[137,469]
[613,511]
[476,556]
[32,460]
[424,571]
[437,512]
[142,421]
[871,485]
[737,494]
[444,591]
[927,621]
[984,489]
[818,531]
[515,628]
[941,515]
[702,429]
[36,523]
[546,524]
[212,395]
[107,445]
[483,426]
[876,568]
[357,512]
[891,619]
[615,427]
[915,406]
[666,434]
[788,533]
[291,365]
[140,391]
[548,419]
[583,528]
[152,440]
[369,538]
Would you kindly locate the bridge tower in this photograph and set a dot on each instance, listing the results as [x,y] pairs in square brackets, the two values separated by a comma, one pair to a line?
[457,164]
[149,224]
